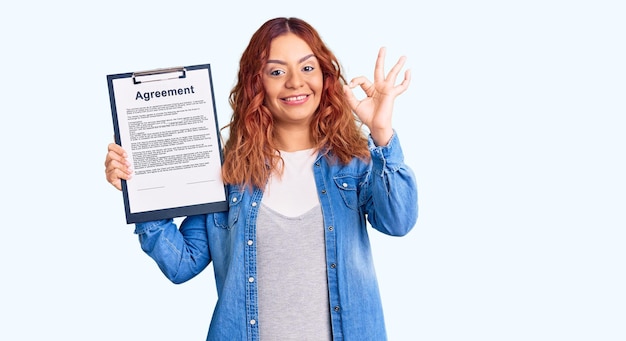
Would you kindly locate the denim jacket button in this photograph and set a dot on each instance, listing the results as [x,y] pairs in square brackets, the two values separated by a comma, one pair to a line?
[330,228]
[332,266]
[253,322]
[251,279]
[337,308]
[250,242]
[254,204]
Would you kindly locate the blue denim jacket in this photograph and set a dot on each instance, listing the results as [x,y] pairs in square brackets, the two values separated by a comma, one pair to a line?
[382,192]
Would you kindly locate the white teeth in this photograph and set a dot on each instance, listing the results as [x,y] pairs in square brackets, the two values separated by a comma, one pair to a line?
[293,99]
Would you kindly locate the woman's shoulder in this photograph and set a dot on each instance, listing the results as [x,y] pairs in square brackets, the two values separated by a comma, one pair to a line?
[356,165]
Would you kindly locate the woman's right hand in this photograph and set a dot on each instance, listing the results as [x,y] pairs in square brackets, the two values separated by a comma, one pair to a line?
[116,166]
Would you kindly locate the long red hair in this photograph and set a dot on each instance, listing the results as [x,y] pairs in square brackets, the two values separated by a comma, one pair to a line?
[250,153]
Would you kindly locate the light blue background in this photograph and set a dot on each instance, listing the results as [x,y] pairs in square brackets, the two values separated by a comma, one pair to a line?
[514,124]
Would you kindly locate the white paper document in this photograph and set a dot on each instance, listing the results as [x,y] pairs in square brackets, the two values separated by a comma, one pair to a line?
[166,121]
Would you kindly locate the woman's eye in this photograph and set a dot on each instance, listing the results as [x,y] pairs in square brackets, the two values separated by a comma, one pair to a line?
[276,72]
[308,68]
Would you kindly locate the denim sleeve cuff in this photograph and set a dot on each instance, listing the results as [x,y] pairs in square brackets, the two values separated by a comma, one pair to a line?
[388,157]
[150,225]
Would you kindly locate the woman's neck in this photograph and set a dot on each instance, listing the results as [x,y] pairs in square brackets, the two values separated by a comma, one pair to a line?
[291,140]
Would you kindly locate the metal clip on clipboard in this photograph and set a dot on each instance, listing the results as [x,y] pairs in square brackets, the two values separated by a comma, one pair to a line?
[159,75]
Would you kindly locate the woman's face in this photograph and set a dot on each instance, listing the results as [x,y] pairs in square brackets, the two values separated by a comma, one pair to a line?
[293,81]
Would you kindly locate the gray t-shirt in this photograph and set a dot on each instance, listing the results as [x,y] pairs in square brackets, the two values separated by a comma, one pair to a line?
[291,275]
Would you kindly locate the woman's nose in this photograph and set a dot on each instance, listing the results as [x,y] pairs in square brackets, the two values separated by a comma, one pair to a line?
[294,80]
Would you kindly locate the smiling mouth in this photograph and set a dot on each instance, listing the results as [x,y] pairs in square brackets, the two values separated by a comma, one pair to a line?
[295,98]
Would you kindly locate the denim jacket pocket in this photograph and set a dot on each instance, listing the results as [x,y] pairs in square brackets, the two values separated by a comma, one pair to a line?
[348,188]
[227,220]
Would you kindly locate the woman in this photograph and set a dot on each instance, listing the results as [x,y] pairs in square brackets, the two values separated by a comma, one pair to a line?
[291,256]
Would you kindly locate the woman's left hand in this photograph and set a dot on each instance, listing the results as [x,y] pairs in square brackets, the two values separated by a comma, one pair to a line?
[375,110]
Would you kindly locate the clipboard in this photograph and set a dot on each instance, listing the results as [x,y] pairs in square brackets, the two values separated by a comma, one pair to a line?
[166,121]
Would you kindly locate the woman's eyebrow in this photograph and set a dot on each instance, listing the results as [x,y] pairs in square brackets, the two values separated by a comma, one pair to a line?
[276,61]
